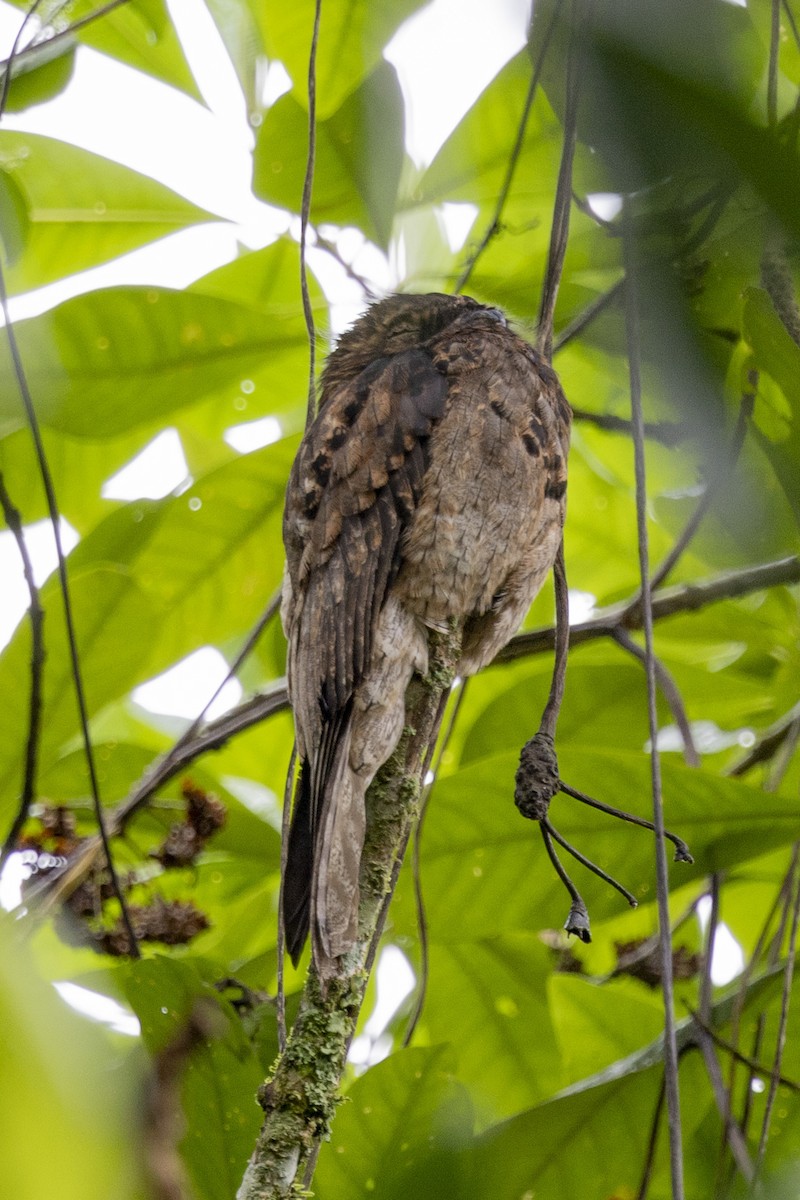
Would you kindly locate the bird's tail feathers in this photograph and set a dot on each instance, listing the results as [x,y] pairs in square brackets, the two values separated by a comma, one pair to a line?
[337,860]
[326,836]
[296,895]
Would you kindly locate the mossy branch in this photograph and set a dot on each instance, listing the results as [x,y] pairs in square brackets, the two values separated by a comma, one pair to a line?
[300,1097]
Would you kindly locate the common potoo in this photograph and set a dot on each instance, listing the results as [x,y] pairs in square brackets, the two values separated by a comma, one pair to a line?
[430,487]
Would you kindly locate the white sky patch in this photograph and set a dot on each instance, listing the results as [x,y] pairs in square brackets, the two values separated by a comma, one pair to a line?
[173,262]
[708,738]
[113,110]
[208,60]
[581,605]
[276,83]
[727,960]
[14,595]
[605,205]
[15,872]
[394,982]
[458,221]
[444,61]
[252,435]
[103,1009]
[203,153]
[183,690]
[155,471]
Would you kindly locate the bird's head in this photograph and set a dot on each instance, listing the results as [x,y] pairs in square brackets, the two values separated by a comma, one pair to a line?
[395,324]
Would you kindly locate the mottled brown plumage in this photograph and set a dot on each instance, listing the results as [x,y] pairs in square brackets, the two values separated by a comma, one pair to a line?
[430,487]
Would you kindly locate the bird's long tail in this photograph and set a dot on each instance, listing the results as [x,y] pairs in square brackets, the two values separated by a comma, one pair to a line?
[326,837]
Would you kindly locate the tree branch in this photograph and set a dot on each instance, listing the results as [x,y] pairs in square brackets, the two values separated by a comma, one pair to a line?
[300,1099]
[559,230]
[668,602]
[669,433]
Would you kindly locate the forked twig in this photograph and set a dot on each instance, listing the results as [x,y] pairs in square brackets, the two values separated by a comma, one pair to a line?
[578,920]
[593,867]
[669,690]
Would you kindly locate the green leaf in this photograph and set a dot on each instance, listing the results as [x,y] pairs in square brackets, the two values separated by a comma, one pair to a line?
[502,997]
[596,1026]
[400,1114]
[83,209]
[269,280]
[591,1140]
[237,23]
[62,1077]
[359,154]
[221,1075]
[207,560]
[775,352]
[106,362]
[112,619]
[666,112]
[352,39]
[14,219]
[139,33]
[472,166]
[590,1145]
[40,76]
[79,469]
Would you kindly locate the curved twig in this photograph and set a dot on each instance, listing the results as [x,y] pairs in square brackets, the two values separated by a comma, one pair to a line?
[14,522]
[559,230]
[55,521]
[493,227]
[587,862]
[662,884]
[419,899]
[305,213]
[669,690]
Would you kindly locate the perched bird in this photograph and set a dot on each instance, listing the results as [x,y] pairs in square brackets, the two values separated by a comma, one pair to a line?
[430,487]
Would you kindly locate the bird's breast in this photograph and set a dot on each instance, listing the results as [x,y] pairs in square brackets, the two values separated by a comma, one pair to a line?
[482,511]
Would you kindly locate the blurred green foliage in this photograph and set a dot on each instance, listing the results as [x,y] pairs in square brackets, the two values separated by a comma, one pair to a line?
[532,1073]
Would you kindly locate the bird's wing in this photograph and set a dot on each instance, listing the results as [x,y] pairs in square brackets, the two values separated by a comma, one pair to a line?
[352,493]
